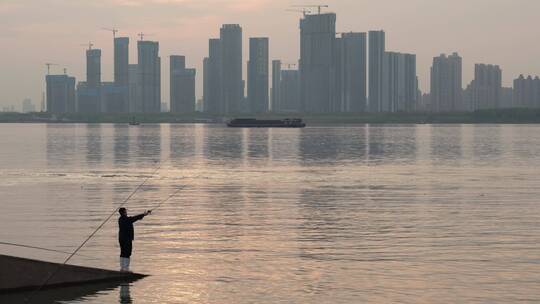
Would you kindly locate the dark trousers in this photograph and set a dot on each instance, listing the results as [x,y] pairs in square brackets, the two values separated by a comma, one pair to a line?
[125,248]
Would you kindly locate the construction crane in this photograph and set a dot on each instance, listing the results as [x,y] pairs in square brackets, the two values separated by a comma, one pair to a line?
[142,35]
[303,11]
[89,45]
[48,64]
[113,30]
[317,6]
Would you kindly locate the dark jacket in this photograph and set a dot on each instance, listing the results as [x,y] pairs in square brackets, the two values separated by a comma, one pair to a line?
[125,226]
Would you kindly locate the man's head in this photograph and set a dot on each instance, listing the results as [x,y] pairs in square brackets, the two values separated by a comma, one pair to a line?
[122,211]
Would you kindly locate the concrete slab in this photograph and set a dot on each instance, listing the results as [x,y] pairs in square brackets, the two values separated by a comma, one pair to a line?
[19,274]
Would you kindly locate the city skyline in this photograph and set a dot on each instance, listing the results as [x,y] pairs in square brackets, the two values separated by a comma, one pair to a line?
[19,82]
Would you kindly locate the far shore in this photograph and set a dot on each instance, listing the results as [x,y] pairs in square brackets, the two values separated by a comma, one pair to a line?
[502,116]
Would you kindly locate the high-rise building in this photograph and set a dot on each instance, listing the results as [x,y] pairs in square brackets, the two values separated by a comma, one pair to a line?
[204,100]
[28,106]
[113,98]
[88,99]
[446,83]
[121,61]
[89,92]
[182,86]
[199,105]
[93,68]
[317,62]
[487,86]
[165,107]
[507,98]
[149,64]
[212,78]
[424,103]
[468,97]
[290,91]
[399,86]
[60,94]
[232,85]
[258,75]
[526,92]
[276,83]
[377,50]
[134,102]
[121,76]
[411,85]
[351,76]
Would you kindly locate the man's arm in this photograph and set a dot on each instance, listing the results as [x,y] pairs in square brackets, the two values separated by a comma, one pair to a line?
[139,217]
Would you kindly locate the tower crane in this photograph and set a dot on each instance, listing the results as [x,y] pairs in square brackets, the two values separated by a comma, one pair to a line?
[89,45]
[317,6]
[142,35]
[48,64]
[304,11]
[113,30]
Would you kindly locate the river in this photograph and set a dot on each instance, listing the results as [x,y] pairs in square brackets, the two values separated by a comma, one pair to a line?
[326,214]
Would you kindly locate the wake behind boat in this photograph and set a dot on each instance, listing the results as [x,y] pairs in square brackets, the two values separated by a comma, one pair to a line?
[270,123]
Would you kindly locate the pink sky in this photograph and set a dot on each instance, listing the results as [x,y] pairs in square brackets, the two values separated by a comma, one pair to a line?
[503,32]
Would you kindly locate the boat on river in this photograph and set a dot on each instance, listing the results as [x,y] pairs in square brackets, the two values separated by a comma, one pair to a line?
[134,122]
[266,123]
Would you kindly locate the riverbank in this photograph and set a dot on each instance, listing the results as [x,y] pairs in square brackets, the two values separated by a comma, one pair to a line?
[509,116]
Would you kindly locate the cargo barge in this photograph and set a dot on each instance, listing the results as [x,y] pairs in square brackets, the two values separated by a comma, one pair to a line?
[259,123]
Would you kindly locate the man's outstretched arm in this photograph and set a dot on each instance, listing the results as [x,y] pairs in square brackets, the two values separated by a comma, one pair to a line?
[139,217]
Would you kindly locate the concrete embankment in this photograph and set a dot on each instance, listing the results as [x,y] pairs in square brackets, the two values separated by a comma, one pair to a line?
[19,274]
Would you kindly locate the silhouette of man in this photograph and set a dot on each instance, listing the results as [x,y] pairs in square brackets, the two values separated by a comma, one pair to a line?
[126,235]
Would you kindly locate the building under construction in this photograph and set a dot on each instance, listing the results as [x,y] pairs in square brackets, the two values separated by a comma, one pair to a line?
[317,62]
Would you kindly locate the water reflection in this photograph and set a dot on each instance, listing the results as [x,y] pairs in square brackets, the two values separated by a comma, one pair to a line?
[257,142]
[329,214]
[319,144]
[375,146]
[446,144]
[121,139]
[94,153]
[486,143]
[61,145]
[182,143]
[125,294]
[61,295]
[223,144]
[391,143]
[400,143]
[284,145]
[148,143]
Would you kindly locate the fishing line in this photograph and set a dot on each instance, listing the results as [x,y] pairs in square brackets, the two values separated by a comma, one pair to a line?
[42,249]
[173,194]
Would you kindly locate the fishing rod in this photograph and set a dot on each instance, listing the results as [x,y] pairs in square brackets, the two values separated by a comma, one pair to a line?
[172,195]
[52,274]
[42,249]
[27,300]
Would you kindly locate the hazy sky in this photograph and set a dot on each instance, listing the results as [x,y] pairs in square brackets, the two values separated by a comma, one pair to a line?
[504,32]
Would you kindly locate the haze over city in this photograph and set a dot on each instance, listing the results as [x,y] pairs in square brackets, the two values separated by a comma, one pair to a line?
[498,32]
[269,151]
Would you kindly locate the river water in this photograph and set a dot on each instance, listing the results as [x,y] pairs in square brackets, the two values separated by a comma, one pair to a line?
[327,214]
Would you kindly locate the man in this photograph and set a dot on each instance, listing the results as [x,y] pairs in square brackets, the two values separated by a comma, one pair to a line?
[126,235]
